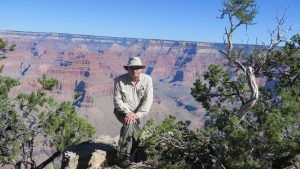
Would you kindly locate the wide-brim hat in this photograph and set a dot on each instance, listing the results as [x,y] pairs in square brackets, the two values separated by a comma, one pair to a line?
[134,62]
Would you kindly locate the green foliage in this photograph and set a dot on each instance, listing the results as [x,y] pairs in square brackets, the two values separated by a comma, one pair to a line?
[269,135]
[9,132]
[173,145]
[23,118]
[4,47]
[285,64]
[10,122]
[279,126]
[59,123]
[220,85]
[6,83]
[244,11]
[33,101]
[28,115]
[48,84]
[76,95]
[64,126]
[269,138]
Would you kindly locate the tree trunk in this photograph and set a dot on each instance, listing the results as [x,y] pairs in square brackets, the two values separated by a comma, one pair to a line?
[49,160]
[254,93]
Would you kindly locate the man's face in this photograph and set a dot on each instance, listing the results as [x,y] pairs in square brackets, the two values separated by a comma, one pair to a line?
[134,71]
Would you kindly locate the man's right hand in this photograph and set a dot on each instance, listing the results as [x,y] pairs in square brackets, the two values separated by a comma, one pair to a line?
[130,118]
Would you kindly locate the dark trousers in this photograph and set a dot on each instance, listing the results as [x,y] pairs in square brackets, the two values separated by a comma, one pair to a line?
[129,137]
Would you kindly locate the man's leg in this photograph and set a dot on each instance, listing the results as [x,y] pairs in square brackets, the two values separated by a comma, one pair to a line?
[128,139]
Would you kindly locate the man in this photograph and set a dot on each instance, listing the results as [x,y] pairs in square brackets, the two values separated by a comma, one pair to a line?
[133,97]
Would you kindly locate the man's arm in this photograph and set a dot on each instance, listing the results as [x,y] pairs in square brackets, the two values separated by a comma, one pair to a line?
[147,101]
[118,102]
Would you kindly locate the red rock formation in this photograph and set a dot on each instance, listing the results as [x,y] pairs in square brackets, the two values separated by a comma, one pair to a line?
[88,65]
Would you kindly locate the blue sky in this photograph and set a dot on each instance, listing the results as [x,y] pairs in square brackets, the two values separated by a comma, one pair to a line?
[189,20]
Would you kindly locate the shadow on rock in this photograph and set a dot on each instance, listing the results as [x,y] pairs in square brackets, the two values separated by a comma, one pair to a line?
[89,155]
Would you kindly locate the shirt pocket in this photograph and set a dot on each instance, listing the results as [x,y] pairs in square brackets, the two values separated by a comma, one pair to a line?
[141,92]
[125,95]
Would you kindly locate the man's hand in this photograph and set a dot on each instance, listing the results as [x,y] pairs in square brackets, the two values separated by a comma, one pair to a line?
[130,118]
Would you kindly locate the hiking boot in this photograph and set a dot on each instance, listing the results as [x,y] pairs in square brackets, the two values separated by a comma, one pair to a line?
[124,163]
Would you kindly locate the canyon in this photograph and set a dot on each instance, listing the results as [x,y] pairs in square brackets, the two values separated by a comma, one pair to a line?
[87,65]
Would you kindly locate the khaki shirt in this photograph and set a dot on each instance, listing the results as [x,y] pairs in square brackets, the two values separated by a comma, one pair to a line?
[130,97]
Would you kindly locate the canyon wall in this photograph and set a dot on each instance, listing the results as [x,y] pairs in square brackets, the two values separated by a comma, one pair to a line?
[88,64]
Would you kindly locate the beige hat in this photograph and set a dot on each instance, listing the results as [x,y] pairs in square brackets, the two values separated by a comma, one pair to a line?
[134,62]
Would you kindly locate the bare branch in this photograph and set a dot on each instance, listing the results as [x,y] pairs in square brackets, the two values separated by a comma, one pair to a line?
[234,61]
[294,80]
[168,139]
[278,35]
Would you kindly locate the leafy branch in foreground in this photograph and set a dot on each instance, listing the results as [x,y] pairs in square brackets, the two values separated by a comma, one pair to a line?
[30,115]
[57,123]
[47,83]
[10,132]
[4,48]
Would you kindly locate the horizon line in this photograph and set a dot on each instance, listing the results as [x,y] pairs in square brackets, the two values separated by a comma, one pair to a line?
[99,36]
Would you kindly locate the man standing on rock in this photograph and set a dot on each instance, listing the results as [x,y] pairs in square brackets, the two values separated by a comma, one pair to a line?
[133,97]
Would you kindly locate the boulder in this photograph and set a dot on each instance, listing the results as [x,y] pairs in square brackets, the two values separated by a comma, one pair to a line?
[92,154]
[97,153]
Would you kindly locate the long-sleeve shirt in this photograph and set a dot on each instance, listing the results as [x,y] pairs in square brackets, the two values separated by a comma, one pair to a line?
[130,97]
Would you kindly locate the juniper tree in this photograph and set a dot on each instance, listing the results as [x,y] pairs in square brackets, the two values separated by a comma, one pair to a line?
[9,120]
[254,125]
[24,117]
[250,125]
[57,122]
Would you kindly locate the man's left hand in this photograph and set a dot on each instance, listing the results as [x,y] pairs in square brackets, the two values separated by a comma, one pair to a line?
[130,118]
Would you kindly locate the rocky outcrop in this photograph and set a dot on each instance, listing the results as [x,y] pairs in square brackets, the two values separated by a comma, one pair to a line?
[96,153]
[92,154]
